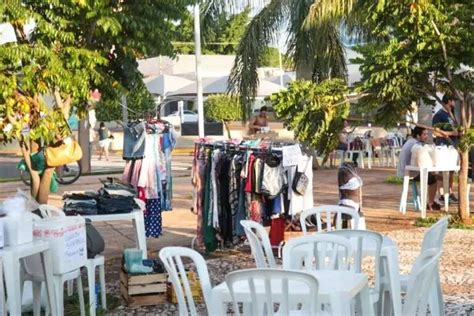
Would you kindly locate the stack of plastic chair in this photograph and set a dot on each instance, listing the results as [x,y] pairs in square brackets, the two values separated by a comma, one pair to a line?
[364,239]
[259,244]
[420,284]
[172,258]
[433,239]
[274,281]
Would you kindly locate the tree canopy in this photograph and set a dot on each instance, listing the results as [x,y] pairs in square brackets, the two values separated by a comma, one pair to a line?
[421,48]
[315,112]
[75,47]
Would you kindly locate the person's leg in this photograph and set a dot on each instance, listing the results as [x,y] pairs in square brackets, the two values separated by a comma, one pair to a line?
[106,151]
[101,150]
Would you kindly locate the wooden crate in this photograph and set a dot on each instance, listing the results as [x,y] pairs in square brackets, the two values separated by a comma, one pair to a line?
[195,289]
[143,289]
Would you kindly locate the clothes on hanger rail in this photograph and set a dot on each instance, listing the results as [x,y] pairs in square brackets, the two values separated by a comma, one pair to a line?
[236,181]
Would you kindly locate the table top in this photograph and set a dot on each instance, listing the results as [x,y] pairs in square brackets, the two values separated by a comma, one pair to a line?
[433,169]
[113,217]
[330,283]
[26,250]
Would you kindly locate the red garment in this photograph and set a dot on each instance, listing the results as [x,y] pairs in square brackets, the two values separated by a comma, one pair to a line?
[248,184]
[277,231]
[141,194]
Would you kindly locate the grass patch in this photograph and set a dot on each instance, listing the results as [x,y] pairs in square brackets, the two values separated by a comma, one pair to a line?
[394,180]
[453,222]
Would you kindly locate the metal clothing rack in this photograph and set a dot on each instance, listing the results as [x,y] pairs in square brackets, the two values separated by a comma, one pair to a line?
[269,146]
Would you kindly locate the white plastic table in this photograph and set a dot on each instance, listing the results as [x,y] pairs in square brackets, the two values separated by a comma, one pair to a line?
[136,217]
[11,266]
[337,288]
[424,186]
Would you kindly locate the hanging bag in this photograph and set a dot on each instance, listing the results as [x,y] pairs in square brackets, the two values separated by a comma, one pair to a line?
[300,181]
[63,153]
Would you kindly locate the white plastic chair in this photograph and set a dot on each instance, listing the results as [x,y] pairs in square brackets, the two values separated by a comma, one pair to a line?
[433,239]
[328,211]
[259,244]
[92,264]
[365,243]
[172,260]
[268,287]
[421,281]
[317,252]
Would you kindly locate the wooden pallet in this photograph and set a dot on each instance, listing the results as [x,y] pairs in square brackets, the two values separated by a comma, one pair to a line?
[143,289]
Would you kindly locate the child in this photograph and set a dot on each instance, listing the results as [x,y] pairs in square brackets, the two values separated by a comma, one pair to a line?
[350,191]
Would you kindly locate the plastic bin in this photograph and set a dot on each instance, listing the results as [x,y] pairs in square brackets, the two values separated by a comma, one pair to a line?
[67,238]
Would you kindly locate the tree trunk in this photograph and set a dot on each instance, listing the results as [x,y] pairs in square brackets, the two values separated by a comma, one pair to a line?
[43,193]
[463,208]
[304,71]
[34,175]
[227,128]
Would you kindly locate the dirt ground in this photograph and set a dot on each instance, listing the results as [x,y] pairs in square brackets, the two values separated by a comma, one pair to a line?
[380,205]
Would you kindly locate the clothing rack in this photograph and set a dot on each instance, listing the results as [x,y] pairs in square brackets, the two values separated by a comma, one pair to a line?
[235,180]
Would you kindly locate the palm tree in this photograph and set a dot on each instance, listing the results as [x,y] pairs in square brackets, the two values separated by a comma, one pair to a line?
[312,28]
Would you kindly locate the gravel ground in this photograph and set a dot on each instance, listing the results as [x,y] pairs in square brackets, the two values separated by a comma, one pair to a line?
[456,268]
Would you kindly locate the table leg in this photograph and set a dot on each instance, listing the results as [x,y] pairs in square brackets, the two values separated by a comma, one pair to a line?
[446,190]
[403,201]
[48,279]
[91,284]
[424,190]
[11,266]
[139,224]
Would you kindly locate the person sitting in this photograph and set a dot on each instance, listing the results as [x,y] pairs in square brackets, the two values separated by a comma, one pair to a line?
[350,192]
[419,135]
[344,143]
[259,122]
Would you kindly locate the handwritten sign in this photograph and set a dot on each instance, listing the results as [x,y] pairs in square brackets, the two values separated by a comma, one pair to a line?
[291,155]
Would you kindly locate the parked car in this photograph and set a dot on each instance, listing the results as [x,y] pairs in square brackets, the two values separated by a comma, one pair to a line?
[188,117]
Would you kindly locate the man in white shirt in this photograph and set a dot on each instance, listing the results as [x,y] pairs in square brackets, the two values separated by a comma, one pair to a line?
[419,135]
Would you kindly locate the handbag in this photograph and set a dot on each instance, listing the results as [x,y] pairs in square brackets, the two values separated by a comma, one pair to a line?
[300,181]
[63,153]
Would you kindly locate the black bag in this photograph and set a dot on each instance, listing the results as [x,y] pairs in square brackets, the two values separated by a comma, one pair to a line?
[95,242]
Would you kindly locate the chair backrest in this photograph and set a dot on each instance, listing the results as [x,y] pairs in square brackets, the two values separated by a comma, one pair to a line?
[172,260]
[434,236]
[317,252]
[259,244]
[276,288]
[364,243]
[421,281]
[327,212]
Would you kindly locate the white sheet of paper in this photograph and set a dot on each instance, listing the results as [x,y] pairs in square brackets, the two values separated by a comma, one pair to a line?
[291,155]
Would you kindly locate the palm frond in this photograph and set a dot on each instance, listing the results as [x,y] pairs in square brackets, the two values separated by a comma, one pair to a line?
[260,32]
[322,11]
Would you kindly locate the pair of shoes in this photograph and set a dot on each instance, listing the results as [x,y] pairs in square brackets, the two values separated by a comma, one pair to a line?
[434,206]
[452,199]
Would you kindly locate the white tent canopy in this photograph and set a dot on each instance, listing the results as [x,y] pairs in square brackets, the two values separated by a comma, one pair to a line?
[214,85]
[163,84]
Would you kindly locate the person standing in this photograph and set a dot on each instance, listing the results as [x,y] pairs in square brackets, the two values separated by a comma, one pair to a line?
[446,134]
[104,141]
[419,136]
[258,122]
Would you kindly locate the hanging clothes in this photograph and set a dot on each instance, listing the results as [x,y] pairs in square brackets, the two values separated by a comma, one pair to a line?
[153,218]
